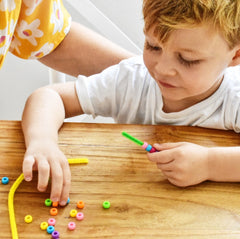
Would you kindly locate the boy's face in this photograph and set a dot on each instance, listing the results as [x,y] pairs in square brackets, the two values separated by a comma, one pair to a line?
[189,66]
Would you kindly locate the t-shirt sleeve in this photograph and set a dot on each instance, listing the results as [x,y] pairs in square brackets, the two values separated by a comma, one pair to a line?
[97,93]
[41,27]
[120,92]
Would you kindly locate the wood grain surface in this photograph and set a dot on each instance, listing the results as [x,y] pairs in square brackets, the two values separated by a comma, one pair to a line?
[143,204]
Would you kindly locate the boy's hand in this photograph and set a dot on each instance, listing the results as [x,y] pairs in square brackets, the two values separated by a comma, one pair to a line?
[48,159]
[183,164]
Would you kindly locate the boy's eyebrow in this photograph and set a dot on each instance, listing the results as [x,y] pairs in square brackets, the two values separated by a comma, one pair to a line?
[194,51]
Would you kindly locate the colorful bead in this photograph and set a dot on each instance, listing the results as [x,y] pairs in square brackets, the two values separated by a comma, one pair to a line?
[28,219]
[80,204]
[53,211]
[68,201]
[145,144]
[44,226]
[5,180]
[80,216]
[106,204]
[48,202]
[73,213]
[51,222]
[54,204]
[71,226]
[50,229]
[153,150]
[55,235]
[149,147]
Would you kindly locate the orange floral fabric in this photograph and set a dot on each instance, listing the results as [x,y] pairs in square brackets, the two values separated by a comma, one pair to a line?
[31,29]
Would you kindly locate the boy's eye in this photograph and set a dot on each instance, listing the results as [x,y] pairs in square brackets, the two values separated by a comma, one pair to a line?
[186,62]
[151,48]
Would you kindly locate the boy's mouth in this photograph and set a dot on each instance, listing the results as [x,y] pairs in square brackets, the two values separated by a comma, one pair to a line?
[166,85]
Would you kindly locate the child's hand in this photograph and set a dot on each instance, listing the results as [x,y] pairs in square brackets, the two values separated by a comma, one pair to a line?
[46,157]
[183,164]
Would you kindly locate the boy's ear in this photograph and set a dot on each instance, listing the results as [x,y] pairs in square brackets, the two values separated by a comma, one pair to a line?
[236,59]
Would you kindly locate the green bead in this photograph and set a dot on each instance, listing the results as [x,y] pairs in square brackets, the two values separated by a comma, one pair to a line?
[106,204]
[48,202]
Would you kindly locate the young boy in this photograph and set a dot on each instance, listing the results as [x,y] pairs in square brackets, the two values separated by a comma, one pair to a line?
[188,75]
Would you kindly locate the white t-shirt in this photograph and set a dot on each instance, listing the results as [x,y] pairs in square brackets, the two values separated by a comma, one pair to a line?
[127,93]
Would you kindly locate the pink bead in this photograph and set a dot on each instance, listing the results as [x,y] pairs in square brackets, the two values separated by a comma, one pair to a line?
[51,222]
[145,144]
[71,226]
[152,150]
[80,216]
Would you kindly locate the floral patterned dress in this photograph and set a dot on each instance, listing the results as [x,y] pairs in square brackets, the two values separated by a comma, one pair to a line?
[31,29]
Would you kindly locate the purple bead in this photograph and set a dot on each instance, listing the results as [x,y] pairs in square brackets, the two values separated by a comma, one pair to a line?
[55,235]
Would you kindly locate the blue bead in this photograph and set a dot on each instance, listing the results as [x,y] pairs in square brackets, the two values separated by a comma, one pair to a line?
[5,180]
[68,201]
[149,147]
[50,229]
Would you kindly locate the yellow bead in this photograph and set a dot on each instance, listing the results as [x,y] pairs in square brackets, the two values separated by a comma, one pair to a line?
[44,226]
[28,219]
[73,213]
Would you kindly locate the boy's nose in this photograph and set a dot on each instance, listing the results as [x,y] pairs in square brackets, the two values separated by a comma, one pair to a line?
[165,67]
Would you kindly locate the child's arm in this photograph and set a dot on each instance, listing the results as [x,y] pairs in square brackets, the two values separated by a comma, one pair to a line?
[43,115]
[84,52]
[186,164]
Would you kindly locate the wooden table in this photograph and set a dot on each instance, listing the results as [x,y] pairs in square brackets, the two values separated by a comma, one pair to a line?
[143,204]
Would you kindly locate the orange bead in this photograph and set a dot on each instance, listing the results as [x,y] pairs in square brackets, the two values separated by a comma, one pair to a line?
[80,204]
[53,211]
[55,204]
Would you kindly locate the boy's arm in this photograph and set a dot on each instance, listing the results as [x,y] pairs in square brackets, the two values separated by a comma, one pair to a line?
[186,164]
[224,164]
[84,52]
[43,115]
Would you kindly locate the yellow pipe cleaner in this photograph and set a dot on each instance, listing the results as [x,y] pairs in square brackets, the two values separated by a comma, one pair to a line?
[14,188]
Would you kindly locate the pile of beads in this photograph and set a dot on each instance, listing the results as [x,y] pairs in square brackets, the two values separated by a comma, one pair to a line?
[49,226]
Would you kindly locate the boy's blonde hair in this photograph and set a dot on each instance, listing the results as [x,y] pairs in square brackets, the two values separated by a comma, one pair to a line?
[168,15]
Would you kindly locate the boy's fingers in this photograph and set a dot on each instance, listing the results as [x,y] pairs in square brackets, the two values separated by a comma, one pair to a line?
[43,174]
[165,154]
[166,146]
[165,166]
[27,167]
[57,182]
[66,184]
[162,157]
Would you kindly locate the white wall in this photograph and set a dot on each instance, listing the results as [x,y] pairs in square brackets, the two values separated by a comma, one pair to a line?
[18,78]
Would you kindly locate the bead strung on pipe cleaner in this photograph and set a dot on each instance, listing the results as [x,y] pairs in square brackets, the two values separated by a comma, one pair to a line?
[144,145]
